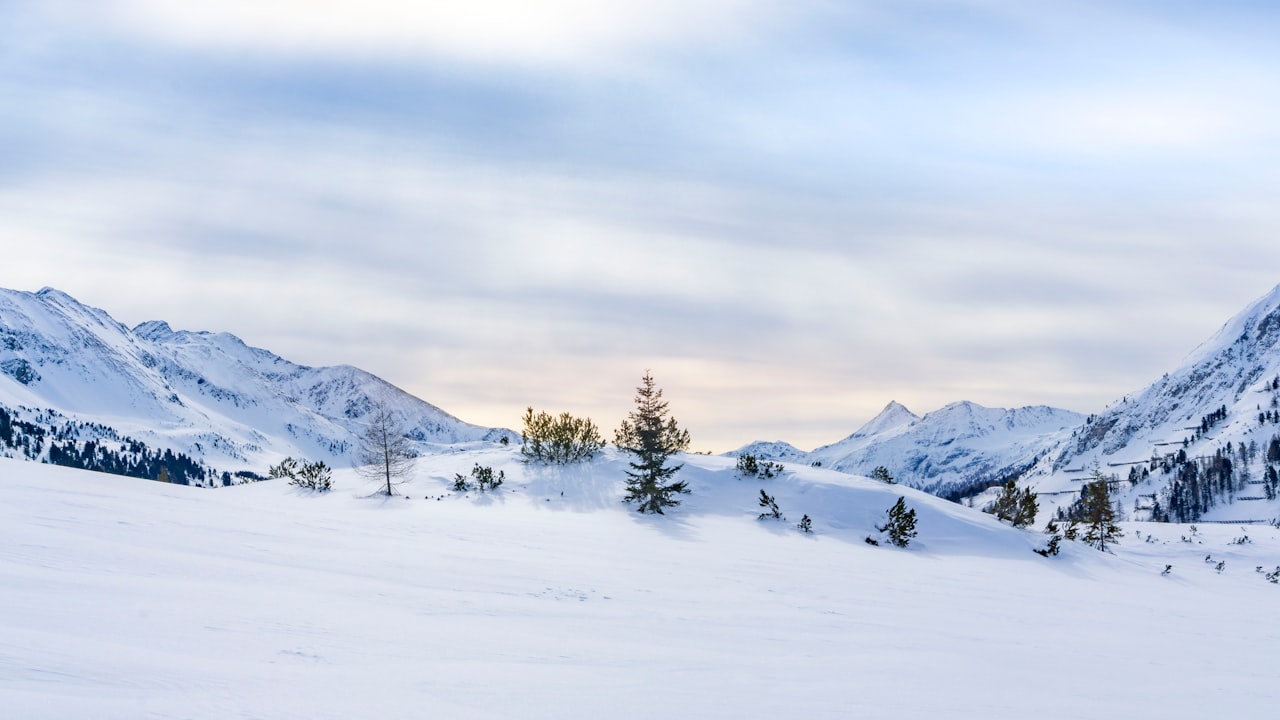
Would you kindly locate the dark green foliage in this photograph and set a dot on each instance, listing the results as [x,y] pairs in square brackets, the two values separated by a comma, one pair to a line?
[1097,515]
[652,438]
[770,506]
[1055,540]
[805,525]
[1014,506]
[484,477]
[881,473]
[93,446]
[558,440]
[307,475]
[872,541]
[901,525]
[751,466]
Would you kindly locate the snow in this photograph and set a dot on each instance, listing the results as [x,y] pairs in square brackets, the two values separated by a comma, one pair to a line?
[208,395]
[131,599]
[959,446]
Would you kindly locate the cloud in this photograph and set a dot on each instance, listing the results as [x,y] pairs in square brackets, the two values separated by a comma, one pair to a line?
[498,32]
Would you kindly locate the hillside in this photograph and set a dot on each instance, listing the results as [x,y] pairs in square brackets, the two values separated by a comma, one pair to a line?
[68,370]
[1202,442]
[956,451]
[129,599]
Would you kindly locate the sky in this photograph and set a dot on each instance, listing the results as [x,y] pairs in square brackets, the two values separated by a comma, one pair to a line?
[791,213]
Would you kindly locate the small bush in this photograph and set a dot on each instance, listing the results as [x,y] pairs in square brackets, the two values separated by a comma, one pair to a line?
[484,477]
[559,440]
[751,466]
[805,525]
[307,475]
[770,506]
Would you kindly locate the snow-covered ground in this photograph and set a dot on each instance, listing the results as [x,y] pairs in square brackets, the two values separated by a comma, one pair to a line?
[124,598]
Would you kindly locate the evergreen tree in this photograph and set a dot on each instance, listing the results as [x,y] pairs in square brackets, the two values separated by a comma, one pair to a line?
[805,525]
[652,438]
[881,473]
[1014,506]
[901,525]
[770,507]
[1052,547]
[1096,513]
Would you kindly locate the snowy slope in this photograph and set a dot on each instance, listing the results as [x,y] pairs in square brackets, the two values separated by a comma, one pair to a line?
[134,599]
[1237,374]
[957,450]
[204,394]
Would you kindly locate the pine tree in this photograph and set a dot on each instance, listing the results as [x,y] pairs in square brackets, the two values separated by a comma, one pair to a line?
[881,473]
[901,525]
[1055,540]
[1096,513]
[770,507]
[652,437]
[1017,507]
[805,525]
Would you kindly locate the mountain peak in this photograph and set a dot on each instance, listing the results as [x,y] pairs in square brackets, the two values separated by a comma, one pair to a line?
[894,415]
[153,329]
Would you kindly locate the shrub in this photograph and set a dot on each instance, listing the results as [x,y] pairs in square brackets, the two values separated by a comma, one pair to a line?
[751,466]
[805,525]
[484,477]
[770,506]
[307,475]
[559,440]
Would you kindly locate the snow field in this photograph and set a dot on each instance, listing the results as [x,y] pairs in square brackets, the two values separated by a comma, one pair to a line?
[126,598]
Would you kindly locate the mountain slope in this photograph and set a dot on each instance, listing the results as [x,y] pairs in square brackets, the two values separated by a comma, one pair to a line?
[957,450]
[207,395]
[1204,429]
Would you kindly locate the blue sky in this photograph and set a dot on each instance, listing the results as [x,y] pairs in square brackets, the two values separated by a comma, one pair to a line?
[792,213]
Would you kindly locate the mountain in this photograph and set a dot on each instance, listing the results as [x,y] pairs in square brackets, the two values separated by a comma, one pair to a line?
[958,450]
[74,372]
[1202,442]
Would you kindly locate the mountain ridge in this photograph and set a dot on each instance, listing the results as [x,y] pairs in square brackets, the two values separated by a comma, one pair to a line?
[209,395]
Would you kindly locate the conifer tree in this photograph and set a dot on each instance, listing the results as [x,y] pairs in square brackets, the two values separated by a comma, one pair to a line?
[652,438]
[770,507]
[901,525]
[1096,513]
[881,473]
[1014,506]
[805,525]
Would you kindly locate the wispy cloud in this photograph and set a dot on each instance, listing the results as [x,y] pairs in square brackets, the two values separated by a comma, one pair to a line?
[791,216]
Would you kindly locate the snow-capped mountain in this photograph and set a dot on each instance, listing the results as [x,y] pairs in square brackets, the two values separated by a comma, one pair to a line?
[954,451]
[1203,440]
[206,395]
